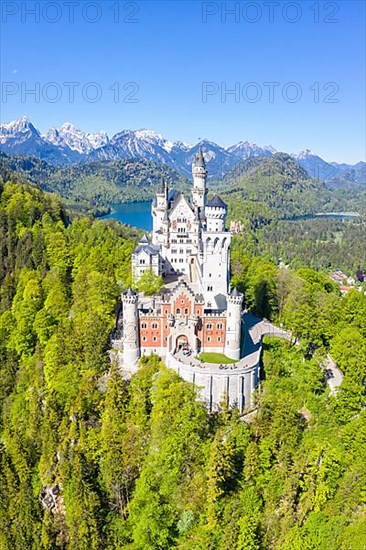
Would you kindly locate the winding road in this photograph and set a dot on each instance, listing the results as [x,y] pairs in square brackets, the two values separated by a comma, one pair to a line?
[256,328]
[333,374]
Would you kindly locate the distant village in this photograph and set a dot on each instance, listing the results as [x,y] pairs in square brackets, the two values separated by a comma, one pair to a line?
[347,282]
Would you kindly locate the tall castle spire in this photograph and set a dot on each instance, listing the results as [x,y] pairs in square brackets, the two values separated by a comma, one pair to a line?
[199,173]
[199,160]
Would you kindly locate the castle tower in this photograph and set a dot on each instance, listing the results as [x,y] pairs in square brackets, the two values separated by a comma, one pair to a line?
[233,324]
[158,211]
[216,258]
[131,346]
[199,173]
[215,215]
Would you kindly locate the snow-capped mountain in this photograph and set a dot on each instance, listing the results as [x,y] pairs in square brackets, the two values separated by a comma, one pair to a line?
[336,173]
[150,145]
[68,145]
[77,140]
[314,165]
[22,138]
[218,160]
[144,144]
[21,129]
[247,149]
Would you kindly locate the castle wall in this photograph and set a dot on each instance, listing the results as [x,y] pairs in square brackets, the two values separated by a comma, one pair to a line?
[214,385]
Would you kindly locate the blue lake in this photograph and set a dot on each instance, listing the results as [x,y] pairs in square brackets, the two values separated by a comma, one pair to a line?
[137,214]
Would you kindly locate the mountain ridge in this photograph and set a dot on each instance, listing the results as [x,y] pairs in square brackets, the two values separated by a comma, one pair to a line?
[68,145]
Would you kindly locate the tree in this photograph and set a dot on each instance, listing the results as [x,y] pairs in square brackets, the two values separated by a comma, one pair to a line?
[149,283]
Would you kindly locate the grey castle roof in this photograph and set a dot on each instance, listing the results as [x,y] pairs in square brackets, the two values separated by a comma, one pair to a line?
[172,194]
[146,246]
[235,293]
[216,202]
[130,292]
[199,160]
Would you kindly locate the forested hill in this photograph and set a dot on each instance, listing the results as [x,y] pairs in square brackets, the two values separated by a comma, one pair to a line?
[89,461]
[279,188]
[96,184]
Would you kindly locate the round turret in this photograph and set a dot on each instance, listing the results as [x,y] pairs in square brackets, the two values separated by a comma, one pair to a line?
[233,324]
[131,346]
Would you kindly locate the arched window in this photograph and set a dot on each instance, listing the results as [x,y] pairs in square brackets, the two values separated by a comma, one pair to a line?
[178,311]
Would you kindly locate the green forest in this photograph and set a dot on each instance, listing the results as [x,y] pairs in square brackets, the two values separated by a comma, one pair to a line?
[273,198]
[275,201]
[321,243]
[93,186]
[91,461]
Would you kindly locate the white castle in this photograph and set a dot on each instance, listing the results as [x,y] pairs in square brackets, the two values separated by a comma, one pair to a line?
[195,312]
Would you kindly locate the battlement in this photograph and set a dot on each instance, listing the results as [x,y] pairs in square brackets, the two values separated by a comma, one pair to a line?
[237,300]
[130,297]
[218,315]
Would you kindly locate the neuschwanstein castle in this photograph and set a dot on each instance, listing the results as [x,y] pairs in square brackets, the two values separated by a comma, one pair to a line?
[195,312]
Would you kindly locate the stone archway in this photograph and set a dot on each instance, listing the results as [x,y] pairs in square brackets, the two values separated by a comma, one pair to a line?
[181,342]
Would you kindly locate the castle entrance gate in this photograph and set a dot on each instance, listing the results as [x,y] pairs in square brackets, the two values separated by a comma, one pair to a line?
[182,342]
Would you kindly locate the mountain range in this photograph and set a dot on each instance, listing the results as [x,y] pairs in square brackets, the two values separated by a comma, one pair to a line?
[68,145]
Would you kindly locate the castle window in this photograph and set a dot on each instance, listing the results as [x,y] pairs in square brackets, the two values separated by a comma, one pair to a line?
[154,339]
[154,325]
[208,338]
[219,338]
[142,261]
[209,304]
[143,325]
[181,260]
[186,311]
[174,250]
[144,338]
[178,311]
[219,326]
[166,312]
[181,251]
[182,301]
[210,288]
[209,326]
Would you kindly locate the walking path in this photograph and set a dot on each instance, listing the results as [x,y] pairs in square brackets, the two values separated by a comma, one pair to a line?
[333,374]
[256,328]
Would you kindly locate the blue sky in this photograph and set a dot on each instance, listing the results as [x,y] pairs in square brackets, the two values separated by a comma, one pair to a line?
[174,64]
